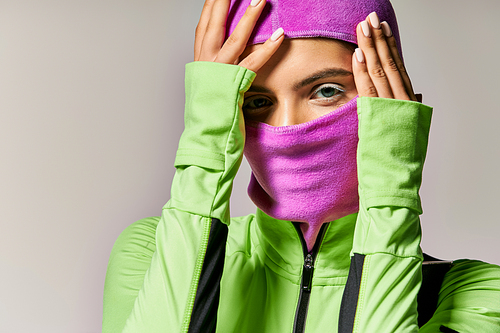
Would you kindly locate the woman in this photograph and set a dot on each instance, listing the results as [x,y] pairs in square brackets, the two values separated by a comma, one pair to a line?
[335,243]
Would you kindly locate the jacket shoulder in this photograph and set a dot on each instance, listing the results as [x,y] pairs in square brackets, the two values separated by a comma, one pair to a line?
[468,298]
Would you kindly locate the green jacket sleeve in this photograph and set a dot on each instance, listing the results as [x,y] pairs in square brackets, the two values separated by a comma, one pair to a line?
[211,146]
[469,299]
[209,154]
[385,273]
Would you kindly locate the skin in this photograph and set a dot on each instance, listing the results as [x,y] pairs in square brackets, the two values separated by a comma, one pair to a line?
[305,79]
[299,80]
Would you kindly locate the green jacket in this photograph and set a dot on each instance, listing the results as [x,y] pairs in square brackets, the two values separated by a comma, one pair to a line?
[252,274]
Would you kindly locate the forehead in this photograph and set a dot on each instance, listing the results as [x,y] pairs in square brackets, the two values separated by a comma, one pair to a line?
[298,57]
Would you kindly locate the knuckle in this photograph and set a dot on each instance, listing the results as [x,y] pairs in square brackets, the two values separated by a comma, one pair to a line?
[371,91]
[369,42]
[235,43]
[198,30]
[377,72]
[391,65]
[249,62]
[392,42]
[232,40]
[379,36]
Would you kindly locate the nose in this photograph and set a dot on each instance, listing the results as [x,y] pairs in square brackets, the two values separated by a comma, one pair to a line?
[286,114]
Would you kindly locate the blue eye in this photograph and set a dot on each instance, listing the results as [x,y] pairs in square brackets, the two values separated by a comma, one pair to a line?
[327,91]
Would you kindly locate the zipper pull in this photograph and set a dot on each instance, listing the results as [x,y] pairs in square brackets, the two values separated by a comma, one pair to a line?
[307,273]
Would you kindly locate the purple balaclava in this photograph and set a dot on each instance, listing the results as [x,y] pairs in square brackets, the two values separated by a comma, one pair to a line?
[307,172]
[335,19]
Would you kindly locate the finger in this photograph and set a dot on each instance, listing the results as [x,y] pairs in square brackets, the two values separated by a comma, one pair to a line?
[362,79]
[391,41]
[255,60]
[215,32]
[237,41]
[387,62]
[375,69]
[202,27]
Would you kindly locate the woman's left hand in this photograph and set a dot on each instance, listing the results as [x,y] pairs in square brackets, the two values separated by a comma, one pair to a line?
[377,66]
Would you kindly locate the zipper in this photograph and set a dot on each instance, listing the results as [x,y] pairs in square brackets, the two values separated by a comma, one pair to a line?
[307,275]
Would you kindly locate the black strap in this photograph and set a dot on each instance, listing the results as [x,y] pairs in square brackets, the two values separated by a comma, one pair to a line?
[206,302]
[433,272]
[351,293]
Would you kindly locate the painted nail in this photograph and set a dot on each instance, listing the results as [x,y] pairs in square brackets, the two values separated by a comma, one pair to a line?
[374,20]
[254,3]
[359,55]
[386,29]
[277,34]
[366,29]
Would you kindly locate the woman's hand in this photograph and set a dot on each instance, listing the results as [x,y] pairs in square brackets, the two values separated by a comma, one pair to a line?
[209,42]
[377,66]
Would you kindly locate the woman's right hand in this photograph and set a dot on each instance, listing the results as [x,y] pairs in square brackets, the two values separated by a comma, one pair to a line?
[209,42]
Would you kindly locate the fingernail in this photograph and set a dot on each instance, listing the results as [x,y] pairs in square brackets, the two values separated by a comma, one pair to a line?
[366,29]
[386,29]
[359,55]
[374,20]
[277,34]
[254,3]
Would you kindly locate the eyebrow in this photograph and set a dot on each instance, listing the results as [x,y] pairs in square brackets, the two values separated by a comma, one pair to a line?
[259,89]
[325,73]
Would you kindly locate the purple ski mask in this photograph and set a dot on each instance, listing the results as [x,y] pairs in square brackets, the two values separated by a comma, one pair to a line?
[335,19]
[307,172]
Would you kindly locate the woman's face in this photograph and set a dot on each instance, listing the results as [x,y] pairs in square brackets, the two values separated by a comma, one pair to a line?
[305,79]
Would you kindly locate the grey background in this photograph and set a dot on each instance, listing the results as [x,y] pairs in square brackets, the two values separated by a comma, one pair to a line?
[91,108]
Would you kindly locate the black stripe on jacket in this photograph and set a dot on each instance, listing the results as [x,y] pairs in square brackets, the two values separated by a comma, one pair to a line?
[433,272]
[206,302]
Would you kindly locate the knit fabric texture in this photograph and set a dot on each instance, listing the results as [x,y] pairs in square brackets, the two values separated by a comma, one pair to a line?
[335,19]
